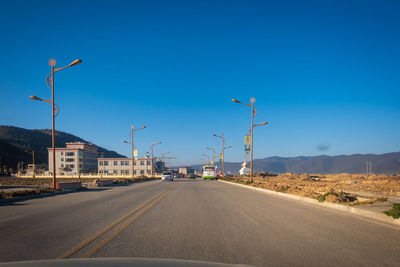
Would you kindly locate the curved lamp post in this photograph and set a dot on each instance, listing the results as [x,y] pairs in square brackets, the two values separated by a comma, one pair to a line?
[54,107]
[133,147]
[213,150]
[208,158]
[253,111]
[152,158]
[162,160]
[223,151]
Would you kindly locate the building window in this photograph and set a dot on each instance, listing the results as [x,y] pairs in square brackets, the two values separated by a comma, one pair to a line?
[142,162]
[122,163]
[62,165]
[69,153]
[148,162]
[62,159]
[141,172]
[115,163]
[135,172]
[70,160]
[62,153]
[106,163]
[71,166]
[148,172]
[127,163]
[101,163]
[115,172]
[134,163]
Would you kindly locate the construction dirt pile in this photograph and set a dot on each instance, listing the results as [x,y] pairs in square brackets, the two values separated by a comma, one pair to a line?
[352,189]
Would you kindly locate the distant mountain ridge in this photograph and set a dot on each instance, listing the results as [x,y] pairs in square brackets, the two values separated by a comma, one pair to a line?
[17,143]
[388,163]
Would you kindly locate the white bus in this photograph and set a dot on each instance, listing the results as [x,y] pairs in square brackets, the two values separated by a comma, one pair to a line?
[209,172]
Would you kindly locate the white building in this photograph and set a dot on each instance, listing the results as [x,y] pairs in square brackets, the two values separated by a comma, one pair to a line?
[123,166]
[74,159]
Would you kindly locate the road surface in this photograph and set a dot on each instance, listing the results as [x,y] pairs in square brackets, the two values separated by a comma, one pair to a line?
[193,220]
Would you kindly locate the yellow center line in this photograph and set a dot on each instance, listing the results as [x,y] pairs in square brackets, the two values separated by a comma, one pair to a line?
[86,242]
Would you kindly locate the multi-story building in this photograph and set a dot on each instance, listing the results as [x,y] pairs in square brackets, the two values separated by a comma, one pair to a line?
[160,166]
[123,166]
[75,158]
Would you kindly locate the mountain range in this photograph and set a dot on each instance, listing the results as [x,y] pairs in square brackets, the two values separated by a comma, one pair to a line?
[16,145]
[388,163]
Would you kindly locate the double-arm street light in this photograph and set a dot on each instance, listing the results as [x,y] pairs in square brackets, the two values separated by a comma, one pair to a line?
[54,107]
[152,158]
[252,100]
[133,147]
[162,160]
[223,151]
[213,150]
[208,158]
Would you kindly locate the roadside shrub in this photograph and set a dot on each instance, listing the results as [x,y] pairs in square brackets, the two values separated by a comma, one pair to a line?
[394,212]
[283,189]
[321,198]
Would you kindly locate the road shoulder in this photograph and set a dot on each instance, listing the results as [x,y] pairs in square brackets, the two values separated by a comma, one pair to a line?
[362,212]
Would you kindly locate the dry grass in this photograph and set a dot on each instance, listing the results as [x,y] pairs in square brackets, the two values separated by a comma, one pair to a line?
[352,189]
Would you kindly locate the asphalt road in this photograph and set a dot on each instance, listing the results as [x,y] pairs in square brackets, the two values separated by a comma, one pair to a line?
[193,220]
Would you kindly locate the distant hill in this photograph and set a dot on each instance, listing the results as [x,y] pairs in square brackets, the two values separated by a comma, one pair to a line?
[16,145]
[383,163]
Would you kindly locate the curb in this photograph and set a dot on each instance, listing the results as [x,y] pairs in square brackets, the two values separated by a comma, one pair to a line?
[365,213]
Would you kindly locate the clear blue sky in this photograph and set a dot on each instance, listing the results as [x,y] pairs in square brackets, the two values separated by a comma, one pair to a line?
[324,73]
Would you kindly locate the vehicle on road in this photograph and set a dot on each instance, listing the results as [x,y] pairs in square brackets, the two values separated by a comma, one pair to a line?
[191,176]
[167,176]
[209,172]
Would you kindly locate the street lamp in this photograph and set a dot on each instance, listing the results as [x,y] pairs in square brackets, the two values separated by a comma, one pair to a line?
[152,158]
[253,111]
[208,158]
[223,151]
[162,159]
[54,107]
[213,150]
[133,148]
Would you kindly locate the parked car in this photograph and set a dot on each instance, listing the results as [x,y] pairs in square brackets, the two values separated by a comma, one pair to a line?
[191,176]
[167,176]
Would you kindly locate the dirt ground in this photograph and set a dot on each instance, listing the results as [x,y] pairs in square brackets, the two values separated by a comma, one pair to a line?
[11,187]
[351,189]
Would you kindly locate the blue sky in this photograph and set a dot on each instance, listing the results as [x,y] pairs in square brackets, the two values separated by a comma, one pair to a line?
[325,74]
